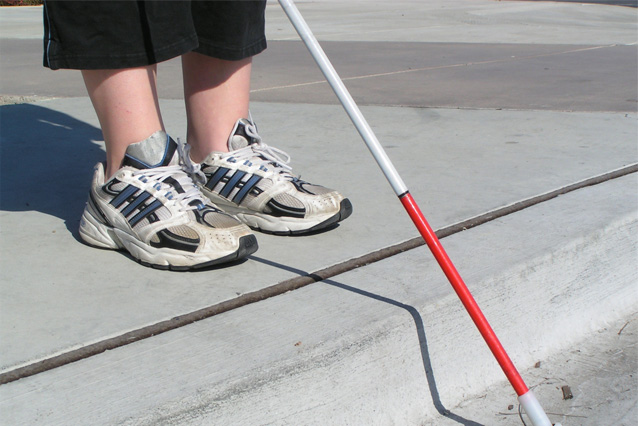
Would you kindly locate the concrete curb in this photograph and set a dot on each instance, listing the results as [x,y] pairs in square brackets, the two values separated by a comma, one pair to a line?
[293,283]
[384,344]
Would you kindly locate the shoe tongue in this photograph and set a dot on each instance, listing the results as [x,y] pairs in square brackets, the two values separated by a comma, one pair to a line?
[239,138]
[155,151]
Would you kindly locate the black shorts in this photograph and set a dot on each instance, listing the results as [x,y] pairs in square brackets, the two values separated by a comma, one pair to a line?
[125,34]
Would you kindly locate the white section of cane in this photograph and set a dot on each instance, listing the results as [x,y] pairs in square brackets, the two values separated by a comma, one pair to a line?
[534,410]
[342,93]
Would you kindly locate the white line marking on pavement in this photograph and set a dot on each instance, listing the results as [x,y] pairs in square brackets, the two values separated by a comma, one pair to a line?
[405,71]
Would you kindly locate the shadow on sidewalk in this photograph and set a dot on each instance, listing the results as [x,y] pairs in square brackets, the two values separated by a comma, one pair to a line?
[420,329]
[46,162]
[423,343]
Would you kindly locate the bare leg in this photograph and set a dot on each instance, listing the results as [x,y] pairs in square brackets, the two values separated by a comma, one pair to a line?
[127,107]
[216,93]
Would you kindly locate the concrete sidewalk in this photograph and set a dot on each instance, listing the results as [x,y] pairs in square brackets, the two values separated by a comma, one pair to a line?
[481,105]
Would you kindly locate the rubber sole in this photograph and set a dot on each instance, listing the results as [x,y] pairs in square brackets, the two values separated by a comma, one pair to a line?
[247,246]
[345,210]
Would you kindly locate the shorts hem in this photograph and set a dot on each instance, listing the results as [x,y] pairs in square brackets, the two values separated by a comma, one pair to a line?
[95,62]
[211,49]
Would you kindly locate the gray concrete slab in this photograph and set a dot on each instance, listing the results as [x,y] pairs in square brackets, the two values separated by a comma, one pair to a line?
[388,343]
[625,3]
[23,22]
[600,373]
[458,164]
[460,21]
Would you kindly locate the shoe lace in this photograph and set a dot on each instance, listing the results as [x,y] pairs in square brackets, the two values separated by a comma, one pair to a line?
[258,153]
[190,198]
[194,170]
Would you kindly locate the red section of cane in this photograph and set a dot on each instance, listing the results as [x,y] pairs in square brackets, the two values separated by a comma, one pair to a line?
[464,294]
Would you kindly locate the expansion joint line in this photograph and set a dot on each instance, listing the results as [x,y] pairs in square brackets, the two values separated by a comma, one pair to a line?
[296,282]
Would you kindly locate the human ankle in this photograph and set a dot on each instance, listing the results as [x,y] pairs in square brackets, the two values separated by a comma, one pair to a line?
[109,171]
[199,153]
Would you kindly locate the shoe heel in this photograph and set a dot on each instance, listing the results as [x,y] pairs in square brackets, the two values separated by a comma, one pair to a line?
[96,233]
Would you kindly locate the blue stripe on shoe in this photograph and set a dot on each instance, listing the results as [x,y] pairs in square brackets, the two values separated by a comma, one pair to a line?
[228,188]
[132,206]
[145,212]
[124,195]
[216,177]
[239,197]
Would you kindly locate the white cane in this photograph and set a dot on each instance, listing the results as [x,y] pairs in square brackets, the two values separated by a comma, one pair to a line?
[525,396]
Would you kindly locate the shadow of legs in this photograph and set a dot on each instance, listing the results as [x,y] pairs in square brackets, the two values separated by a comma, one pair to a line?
[46,161]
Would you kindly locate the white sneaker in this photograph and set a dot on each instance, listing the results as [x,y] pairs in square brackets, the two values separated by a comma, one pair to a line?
[255,183]
[152,208]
